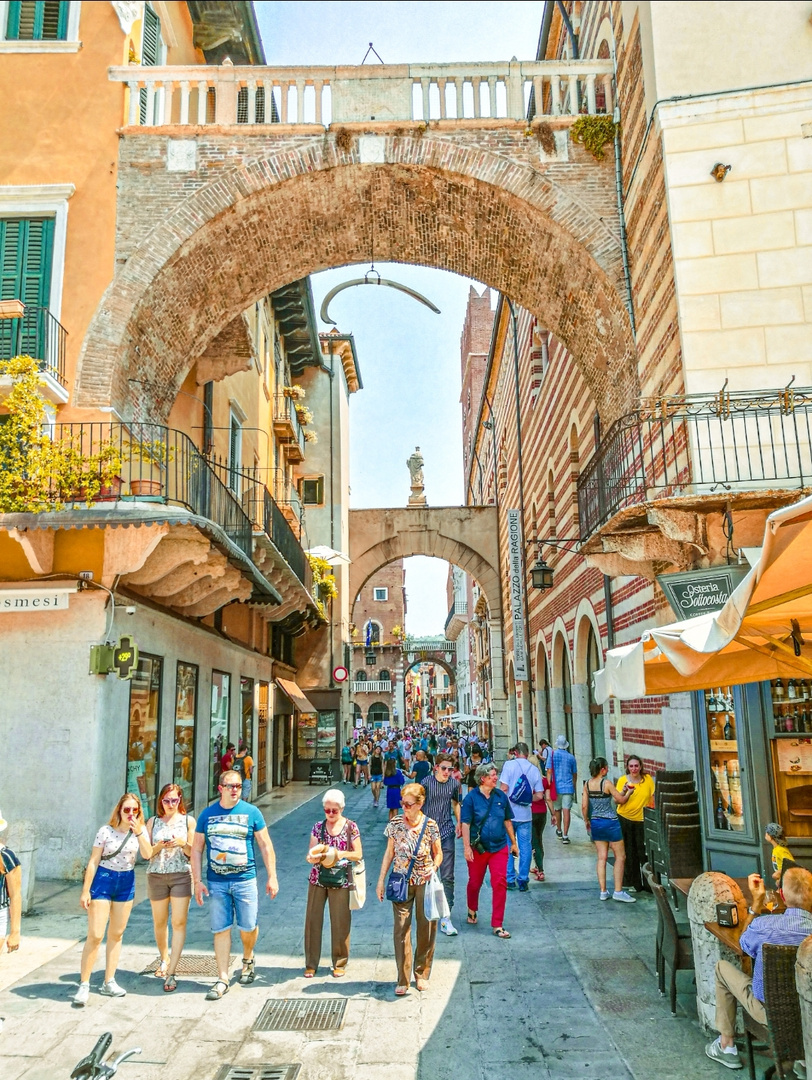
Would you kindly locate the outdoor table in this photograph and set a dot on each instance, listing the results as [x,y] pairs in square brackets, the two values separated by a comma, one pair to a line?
[683,886]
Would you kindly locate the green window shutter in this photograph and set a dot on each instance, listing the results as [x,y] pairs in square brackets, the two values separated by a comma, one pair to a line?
[26,255]
[37,20]
[150,55]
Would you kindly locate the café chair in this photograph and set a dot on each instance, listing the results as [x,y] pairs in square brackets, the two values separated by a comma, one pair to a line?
[684,847]
[782,1035]
[676,949]
[674,776]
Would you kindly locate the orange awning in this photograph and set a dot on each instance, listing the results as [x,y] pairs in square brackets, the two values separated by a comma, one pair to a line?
[296,695]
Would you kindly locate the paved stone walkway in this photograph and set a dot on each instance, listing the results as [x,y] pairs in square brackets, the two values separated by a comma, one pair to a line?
[571,994]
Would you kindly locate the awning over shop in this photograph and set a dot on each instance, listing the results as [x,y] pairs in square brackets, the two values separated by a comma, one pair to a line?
[759,634]
[294,692]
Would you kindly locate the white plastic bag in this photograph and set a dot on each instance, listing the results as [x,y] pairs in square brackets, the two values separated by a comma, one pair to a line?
[435,904]
[358,892]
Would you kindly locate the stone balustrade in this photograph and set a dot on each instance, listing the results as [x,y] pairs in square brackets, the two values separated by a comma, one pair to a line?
[372,686]
[224,95]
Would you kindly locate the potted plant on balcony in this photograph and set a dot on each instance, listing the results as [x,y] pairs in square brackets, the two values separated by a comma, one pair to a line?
[44,469]
[303,415]
[310,436]
[324,583]
[156,453]
[295,392]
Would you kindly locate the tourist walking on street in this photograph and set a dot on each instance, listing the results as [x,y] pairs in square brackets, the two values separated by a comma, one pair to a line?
[638,787]
[474,761]
[421,767]
[393,781]
[443,798]
[11,895]
[108,891]
[362,752]
[521,782]
[335,844]
[227,830]
[413,848]
[244,765]
[169,878]
[376,764]
[539,808]
[487,828]
[563,775]
[598,804]
[348,761]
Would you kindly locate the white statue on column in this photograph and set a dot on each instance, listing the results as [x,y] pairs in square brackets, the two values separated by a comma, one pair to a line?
[415,467]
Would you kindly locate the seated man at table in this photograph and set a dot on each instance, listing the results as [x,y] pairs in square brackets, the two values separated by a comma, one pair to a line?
[732,985]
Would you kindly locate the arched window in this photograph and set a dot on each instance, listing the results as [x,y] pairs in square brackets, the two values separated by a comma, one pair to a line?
[600,87]
[566,687]
[384,675]
[575,469]
[543,695]
[551,503]
[593,663]
[378,715]
[373,632]
[360,676]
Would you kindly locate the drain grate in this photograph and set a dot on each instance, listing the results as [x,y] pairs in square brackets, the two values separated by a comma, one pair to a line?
[191,964]
[258,1072]
[293,1014]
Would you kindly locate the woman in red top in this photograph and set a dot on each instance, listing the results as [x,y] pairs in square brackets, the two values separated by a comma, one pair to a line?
[539,820]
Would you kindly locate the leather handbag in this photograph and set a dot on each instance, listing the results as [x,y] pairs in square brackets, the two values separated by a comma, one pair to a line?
[332,877]
[397,887]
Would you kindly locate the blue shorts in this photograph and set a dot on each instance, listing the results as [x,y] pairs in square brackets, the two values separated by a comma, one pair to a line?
[117,886]
[233,899]
[606,829]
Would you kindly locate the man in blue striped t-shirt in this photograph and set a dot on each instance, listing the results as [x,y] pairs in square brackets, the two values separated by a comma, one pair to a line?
[733,987]
[443,797]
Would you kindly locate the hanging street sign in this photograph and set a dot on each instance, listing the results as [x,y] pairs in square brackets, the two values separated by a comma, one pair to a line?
[125,658]
[701,592]
[516,560]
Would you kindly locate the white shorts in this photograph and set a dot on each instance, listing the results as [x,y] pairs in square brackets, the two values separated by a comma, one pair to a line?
[3,923]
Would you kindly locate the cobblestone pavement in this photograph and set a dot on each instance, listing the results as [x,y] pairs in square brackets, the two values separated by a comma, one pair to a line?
[571,994]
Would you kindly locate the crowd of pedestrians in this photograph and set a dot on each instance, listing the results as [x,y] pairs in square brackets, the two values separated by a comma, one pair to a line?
[440,787]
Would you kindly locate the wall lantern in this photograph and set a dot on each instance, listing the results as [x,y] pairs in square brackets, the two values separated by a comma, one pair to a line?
[371,658]
[541,575]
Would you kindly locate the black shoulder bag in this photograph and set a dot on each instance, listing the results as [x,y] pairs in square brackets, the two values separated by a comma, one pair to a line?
[331,877]
[476,837]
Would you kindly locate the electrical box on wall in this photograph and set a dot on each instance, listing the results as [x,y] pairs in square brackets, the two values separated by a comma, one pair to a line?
[101,659]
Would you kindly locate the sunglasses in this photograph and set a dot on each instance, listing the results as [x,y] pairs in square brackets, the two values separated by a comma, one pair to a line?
[231,787]
[445,768]
[409,805]
[131,810]
[170,802]
[331,811]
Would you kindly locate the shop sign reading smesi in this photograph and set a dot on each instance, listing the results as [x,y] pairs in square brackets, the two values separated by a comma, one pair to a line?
[516,561]
[701,592]
[34,600]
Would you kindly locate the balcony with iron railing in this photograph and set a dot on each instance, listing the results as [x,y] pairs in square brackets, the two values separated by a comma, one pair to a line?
[699,451]
[372,686]
[510,90]
[27,330]
[426,645]
[456,619]
[287,428]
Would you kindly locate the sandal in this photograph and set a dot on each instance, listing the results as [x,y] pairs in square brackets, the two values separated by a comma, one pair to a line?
[309,973]
[500,932]
[472,917]
[248,974]
[339,973]
[422,984]
[215,993]
[170,983]
[160,971]
[400,991]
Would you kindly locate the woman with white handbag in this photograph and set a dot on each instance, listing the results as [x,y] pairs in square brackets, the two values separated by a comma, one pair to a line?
[335,850]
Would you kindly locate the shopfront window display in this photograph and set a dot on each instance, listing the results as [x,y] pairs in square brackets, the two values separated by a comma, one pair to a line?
[246,714]
[142,741]
[220,703]
[724,752]
[185,719]
[791,745]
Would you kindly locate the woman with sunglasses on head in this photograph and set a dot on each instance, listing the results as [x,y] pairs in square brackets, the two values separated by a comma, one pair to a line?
[169,877]
[335,843]
[108,891]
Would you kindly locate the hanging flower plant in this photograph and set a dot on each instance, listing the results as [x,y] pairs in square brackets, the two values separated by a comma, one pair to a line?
[295,392]
[310,436]
[303,415]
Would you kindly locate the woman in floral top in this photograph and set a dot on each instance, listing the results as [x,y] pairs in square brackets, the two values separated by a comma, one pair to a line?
[335,834]
[404,834]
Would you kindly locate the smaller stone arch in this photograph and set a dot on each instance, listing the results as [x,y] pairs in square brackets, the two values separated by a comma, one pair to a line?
[589,717]
[378,713]
[543,684]
[561,691]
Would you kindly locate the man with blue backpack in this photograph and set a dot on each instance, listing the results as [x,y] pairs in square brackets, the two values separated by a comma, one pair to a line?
[521,782]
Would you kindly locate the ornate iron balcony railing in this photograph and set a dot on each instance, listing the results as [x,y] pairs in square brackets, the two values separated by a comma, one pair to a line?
[36,333]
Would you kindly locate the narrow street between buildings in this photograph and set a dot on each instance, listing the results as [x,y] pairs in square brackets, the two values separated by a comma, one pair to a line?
[573,993]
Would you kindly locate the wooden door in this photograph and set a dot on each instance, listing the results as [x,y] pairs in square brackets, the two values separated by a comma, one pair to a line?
[262,740]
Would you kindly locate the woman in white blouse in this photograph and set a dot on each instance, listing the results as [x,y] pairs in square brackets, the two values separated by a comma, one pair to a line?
[108,891]
[169,877]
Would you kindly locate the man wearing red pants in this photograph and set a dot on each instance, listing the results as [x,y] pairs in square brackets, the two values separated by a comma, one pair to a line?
[487,829]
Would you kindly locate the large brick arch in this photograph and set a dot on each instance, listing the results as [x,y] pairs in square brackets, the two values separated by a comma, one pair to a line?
[543,236]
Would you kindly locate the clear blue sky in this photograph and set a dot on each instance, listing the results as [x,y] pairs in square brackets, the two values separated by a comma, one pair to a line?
[409,357]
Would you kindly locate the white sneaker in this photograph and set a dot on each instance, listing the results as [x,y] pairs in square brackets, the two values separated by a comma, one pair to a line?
[623,897]
[604,895]
[112,989]
[82,994]
[729,1058]
[447,927]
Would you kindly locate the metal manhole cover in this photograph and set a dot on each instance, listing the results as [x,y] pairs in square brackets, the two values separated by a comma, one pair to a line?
[258,1072]
[293,1014]
[191,964]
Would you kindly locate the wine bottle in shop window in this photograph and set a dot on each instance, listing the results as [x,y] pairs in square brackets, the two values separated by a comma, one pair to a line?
[792,693]
[719,816]
[789,722]
[778,690]
[728,729]
[715,731]
[729,700]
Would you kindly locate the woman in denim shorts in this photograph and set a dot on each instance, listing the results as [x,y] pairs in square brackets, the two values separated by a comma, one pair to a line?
[599,806]
[169,877]
[108,891]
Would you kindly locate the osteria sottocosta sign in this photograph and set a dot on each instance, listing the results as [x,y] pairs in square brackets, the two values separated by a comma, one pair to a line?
[28,600]
[701,592]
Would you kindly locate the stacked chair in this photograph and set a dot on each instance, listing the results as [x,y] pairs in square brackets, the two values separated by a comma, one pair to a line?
[673,826]
[782,1037]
